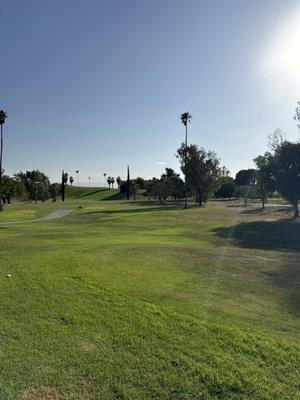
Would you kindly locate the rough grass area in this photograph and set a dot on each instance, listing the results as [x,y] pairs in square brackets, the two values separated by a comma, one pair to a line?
[139,301]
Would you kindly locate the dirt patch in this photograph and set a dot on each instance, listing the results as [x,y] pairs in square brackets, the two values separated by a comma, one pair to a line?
[43,393]
[88,346]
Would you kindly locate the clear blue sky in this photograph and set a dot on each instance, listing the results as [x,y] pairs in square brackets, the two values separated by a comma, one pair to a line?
[96,85]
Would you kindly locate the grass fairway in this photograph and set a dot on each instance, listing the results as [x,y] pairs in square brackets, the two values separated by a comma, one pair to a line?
[137,301]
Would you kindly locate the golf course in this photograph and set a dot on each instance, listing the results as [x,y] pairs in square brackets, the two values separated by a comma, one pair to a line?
[118,299]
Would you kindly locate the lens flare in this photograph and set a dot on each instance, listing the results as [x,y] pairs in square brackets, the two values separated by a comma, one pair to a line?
[281,58]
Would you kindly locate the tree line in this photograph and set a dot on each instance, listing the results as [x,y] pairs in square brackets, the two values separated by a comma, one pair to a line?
[277,172]
[33,186]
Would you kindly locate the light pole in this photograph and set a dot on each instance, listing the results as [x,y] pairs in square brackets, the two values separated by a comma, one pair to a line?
[185,119]
[2,121]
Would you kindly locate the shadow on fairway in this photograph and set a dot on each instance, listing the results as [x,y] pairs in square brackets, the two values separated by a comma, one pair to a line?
[115,196]
[90,193]
[288,277]
[267,235]
[166,205]
[267,210]
[128,211]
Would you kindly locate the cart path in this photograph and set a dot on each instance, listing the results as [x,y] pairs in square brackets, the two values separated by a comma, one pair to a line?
[55,215]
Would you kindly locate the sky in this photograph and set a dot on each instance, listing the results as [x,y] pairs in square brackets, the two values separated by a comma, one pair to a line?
[94,85]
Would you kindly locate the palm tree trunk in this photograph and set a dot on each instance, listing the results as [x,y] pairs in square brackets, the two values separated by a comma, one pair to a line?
[1,153]
[185,191]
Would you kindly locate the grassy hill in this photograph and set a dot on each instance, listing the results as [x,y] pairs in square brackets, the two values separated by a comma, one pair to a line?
[75,197]
[136,301]
[93,193]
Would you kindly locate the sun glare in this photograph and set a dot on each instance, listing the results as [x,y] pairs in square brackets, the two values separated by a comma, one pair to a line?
[281,58]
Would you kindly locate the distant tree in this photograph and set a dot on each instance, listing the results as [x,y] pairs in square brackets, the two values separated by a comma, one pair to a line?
[140,182]
[123,188]
[133,188]
[246,193]
[224,177]
[201,169]
[71,180]
[54,191]
[12,188]
[109,182]
[297,115]
[149,186]
[36,183]
[104,176]
[276,139]
[3,117]
[118,180]
[112,181]
[128,184]
[265,182]
[64,180]
[161,191]
[225,185]
[174,184]
[246,177]
[77,173]
[226,190]
[286,173]
[128,188]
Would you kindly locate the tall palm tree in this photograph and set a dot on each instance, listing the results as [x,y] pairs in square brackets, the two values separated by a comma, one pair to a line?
[104,175]
[3,117]
[77,172]
[185,119]
[89,181]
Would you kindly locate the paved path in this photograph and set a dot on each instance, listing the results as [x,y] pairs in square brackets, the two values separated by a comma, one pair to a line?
[55,215]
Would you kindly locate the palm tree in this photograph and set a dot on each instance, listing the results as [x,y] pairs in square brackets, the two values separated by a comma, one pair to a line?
[109,182]
[3,117]
[185,119]
[89,181]
[112,181]
[71,180]
[104,175]
[77,172]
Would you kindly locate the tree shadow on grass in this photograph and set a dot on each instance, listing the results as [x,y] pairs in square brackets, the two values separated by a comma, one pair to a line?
[164,206]
[114,196]
[281,235]
[288,278]
[267,210]
[127,211]
[90,193]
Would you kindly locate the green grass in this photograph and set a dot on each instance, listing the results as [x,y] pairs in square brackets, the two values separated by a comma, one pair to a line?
[136,301]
